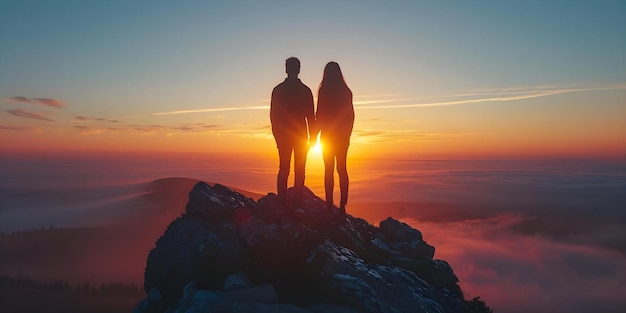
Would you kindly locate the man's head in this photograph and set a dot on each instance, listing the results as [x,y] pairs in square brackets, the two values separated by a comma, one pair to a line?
[292,67]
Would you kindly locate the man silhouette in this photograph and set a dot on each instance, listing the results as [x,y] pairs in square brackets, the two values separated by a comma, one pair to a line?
[292,115]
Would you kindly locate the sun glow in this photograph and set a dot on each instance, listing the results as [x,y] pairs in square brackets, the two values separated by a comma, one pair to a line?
[317,148]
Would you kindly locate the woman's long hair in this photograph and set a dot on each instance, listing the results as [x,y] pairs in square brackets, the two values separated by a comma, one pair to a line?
[335,112]
[333,78]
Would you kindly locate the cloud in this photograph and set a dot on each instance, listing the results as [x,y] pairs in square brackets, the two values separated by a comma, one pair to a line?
[377,136]
[152,129]
[517,273]
[51,102]
[486,95]
[28,114]
[360,96]
[81,118]
[358,102]
[546,188]
[260,132]
[263,107]
[45,101]
[506,95]
[378,95]
[18,99]
[21,128]
[264,132]
[89,130]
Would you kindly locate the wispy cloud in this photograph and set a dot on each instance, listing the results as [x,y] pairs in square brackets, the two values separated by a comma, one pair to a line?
[56,103]
[28,114]
[387,101]
[266,107]
[261,132]
[262,107]
[505,95]
[89,130]
[378,95]
[377,136]
[152,129]
[21,128]
[18,99]
[51,102]
[80,118]
[357,102]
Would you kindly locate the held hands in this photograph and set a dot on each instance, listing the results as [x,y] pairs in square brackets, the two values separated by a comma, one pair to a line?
[313,138]
[313,132]
[312,142]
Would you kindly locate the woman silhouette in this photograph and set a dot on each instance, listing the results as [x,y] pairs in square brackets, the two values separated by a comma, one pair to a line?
[334,119]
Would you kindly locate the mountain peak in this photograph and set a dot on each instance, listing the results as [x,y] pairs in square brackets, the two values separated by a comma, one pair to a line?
[229,253]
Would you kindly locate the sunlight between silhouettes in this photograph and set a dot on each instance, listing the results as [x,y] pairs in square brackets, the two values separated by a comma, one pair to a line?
[317,148]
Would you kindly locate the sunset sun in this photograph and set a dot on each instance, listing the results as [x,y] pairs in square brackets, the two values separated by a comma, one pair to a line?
[317,148]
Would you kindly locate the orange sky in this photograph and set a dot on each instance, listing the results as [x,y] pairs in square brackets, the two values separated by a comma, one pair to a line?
[490,140]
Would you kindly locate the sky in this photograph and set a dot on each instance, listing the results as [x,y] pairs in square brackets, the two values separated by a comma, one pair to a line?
[431,79]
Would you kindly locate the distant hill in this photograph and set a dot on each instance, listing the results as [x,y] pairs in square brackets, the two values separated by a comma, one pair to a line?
[113,253]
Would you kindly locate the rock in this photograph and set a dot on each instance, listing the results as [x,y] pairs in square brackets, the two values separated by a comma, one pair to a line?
[199,300]
[254,230]
[376,288]
[400,232]
[245,307]
[438,273]
[215,203]
[227,253]
[416,249]
[192,250]
[353,233]
[399,238]
[236,281]
[152,303]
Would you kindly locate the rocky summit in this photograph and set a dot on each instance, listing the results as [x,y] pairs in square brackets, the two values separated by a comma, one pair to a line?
[228,253]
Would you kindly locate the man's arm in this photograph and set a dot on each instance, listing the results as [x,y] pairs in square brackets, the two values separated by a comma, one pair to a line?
[273,107]
[310,117]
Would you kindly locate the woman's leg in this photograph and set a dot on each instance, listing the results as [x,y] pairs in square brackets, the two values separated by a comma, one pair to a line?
[342,170]
[329,171]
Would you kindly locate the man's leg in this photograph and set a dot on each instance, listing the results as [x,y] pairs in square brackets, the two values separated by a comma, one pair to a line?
[299,159]
[284,156]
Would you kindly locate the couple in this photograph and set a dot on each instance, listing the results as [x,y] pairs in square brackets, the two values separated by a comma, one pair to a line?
[295,126]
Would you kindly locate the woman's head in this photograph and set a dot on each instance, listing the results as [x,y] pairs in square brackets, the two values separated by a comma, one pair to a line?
[333,75]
